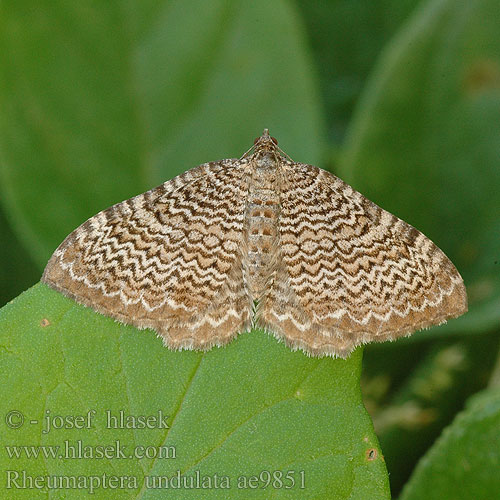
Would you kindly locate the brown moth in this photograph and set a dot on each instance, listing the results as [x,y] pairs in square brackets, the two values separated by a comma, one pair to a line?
[263,242]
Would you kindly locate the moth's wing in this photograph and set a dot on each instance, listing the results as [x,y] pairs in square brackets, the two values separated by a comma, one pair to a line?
[349,272]
[168,259]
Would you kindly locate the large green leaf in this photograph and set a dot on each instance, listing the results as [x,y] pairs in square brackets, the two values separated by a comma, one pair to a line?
[425,141]
[346,38]
[250,407]
[102,101]
[465,461]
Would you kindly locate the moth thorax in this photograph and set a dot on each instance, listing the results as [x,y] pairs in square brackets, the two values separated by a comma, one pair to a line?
[262,221]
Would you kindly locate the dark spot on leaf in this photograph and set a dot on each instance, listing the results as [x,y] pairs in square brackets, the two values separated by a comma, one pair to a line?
[44,322]
[371,454]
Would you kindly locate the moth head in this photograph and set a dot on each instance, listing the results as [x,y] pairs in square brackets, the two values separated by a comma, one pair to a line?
[265,141]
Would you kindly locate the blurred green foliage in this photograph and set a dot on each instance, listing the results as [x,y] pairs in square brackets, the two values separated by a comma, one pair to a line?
[400,98]
[463,456]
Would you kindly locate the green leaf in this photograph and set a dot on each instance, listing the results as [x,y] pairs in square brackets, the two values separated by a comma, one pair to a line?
[346,39]
[105,100]
[249,407]
[424,142]
[464,462]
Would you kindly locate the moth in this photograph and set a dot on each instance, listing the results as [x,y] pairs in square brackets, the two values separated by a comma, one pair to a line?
[258,242]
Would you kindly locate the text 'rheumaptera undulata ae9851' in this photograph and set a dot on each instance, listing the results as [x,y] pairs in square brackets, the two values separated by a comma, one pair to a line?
[258,241]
